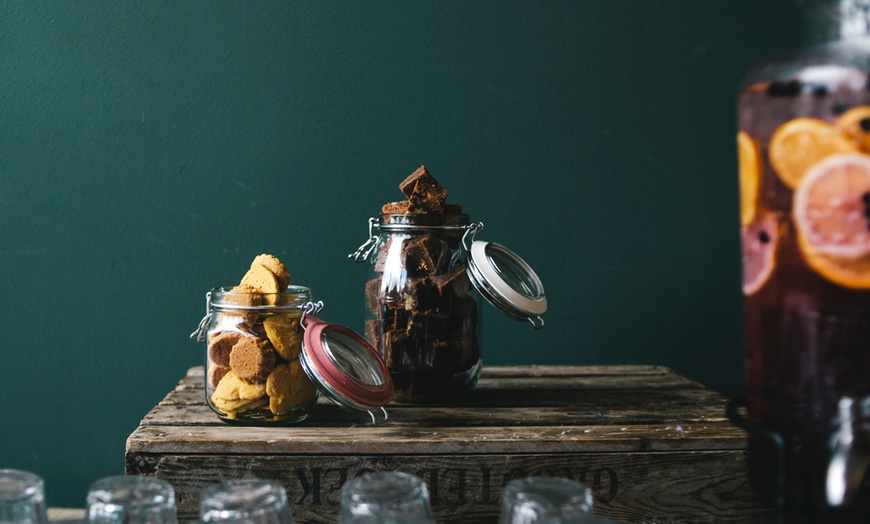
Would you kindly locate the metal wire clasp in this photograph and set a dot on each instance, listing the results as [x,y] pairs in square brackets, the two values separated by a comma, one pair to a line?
[364,251]
[199,334]
[310,308]
[371,413]
[470,231]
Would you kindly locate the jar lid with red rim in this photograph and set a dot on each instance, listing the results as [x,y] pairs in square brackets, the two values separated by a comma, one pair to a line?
[343,365]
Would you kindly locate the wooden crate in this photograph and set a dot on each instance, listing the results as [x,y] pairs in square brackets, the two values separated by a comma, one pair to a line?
[653,445]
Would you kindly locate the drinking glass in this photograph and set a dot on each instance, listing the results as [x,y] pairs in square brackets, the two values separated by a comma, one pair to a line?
[388,497]
[131,500]
[546,500]
[252,500]
[22,497]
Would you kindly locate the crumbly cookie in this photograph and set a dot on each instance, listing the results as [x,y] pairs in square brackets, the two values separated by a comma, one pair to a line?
[245,296]
[261,280]
[228,387]
[285,334]
[288,386]
[216,373]
[278,382]
[270,262]
[252,359]
[220,346]
[233,407]
[252,390]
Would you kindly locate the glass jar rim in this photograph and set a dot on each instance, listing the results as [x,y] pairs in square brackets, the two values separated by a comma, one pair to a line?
[379,487]
[19,485]
[294,297]
[427,221]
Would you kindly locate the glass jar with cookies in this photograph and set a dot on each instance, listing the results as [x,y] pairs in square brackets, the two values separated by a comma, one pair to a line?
[424,291]
[268,357]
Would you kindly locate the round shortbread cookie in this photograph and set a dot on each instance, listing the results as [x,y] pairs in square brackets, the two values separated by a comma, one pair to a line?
[270,262]
[285,334]
[220,346]
[252,359]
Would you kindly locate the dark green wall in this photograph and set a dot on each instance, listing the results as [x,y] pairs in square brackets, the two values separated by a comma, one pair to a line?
[149,150]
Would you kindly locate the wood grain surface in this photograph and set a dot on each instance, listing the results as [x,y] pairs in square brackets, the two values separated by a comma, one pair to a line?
[654,446]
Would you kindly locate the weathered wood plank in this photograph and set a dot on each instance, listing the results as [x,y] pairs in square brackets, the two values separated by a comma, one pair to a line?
[630,487]
[655,446]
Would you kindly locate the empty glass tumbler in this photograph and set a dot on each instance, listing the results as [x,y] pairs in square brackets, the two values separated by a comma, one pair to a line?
[385,498]
[546,500]
[22,497]
[131,500]
[253,500]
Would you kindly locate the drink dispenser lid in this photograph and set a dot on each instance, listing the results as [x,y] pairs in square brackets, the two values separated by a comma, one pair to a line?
[343,365]
[505,280]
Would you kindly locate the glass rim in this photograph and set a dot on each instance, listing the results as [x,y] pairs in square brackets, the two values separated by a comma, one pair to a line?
[422,221]
[294,297]
[377,487]
[28,484]
[119,488]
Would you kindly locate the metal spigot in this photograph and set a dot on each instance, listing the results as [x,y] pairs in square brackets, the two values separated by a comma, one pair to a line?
[850,457]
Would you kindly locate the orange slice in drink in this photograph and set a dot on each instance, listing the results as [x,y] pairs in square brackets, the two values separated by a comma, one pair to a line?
[802,142]
[759,251]
[831,207]
[749,164]
[856,123]
[848,273]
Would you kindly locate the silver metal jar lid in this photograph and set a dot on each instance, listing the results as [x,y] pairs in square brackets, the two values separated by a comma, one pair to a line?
[504,279]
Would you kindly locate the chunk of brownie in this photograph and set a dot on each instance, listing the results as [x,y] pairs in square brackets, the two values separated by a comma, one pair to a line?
[424,192]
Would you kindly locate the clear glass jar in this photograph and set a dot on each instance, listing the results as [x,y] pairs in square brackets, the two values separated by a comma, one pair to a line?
[22,497]
[387,497]
[423,313]
[131,500]
[545,500]
[804,153]
[252,500]
[252,366]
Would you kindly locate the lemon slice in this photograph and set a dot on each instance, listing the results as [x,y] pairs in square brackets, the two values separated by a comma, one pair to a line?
[802,142]
[749,164]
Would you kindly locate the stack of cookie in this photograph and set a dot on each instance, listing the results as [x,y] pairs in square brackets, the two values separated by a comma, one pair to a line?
[253,351]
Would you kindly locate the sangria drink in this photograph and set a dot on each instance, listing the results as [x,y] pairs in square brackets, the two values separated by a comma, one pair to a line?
[804,161]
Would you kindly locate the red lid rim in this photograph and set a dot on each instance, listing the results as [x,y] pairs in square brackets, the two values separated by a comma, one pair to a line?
[361,394]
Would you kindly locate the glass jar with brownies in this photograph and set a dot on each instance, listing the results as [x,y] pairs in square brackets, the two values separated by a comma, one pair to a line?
[427,276]
[268,357]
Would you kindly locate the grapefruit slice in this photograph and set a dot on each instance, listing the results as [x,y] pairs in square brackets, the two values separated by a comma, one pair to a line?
[759,251]
[801,143]
[749,164]
[831,207]
[856,123]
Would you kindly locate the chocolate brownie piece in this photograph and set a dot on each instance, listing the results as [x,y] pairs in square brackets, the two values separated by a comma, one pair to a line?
[374,332]
[455,281]
[373,295]
[462,327]
[398,347]
[421,255]
[424,192]
[402,207]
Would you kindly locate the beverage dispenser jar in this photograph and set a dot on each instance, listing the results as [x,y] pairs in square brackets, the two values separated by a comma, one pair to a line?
[804,167]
